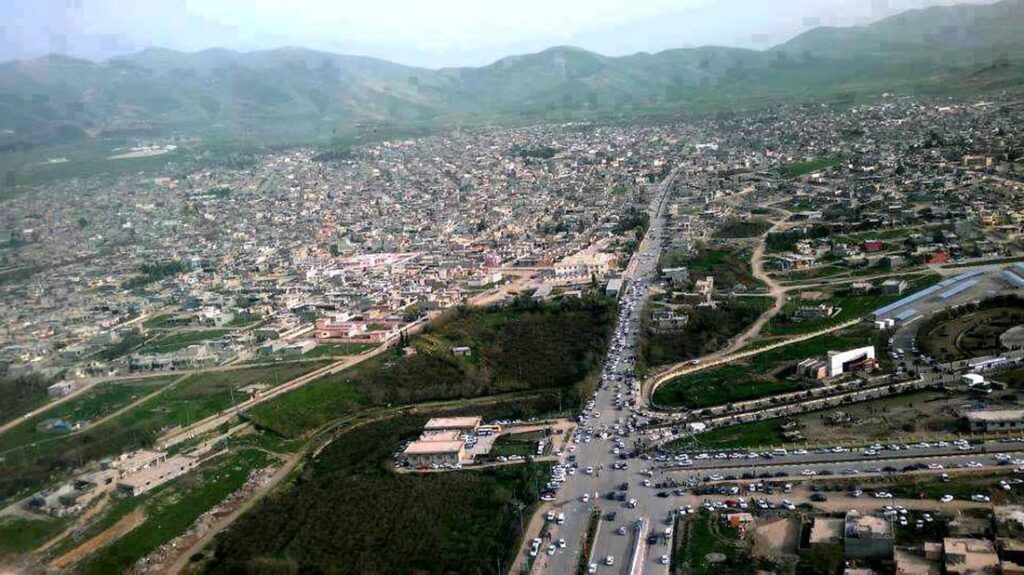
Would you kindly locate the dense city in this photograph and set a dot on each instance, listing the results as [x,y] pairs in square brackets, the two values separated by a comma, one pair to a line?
[788,341]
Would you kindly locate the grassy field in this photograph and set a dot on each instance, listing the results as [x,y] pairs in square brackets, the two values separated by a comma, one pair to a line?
[972,335]
[742,229]
[760,375]
[30,468]
[517,444]
[798,169]
[19,535]
[174,508]
[707,533]
[706,330]
[524,347]
[754,434]
[21,395]
[728,266]
[852,307]
[101,400]
[338,349]
[176,341]
[350,504]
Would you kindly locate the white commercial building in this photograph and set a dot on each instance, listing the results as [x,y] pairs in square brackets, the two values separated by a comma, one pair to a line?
[839,362]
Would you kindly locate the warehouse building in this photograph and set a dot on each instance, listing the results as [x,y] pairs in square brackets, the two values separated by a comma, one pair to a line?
[867,537]
[460,424]
[986,420]
[428,452]
[154,476]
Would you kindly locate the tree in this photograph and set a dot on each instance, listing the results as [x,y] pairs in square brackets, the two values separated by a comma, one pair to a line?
[821,559]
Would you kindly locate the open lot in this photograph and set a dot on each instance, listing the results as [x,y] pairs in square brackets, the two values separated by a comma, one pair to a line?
[352,501]
[181,340]
[29,467]
[103,399]
[526,346]
[850,305]
[972,335]
[173,508]
[760,375]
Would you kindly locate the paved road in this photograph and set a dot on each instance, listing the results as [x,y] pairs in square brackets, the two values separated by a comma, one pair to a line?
[609,425]
[610,407]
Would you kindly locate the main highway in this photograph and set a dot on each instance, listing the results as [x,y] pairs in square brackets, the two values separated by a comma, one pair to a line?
[615,422]
[597,437]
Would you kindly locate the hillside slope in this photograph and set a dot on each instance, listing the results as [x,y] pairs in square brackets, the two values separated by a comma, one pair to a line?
[294,94]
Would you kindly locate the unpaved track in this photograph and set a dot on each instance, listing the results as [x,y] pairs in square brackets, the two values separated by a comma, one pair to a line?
[111,534]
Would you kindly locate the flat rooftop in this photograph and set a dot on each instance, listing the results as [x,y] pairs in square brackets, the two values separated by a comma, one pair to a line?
[442,435]
[436,423]
[177,463]
[432,447]
[996,414]
[138,458]
[826,529]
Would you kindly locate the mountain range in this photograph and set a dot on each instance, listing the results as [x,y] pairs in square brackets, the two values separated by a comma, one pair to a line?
[294,94]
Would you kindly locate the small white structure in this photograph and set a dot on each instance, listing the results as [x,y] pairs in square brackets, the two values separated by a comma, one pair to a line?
[972,379]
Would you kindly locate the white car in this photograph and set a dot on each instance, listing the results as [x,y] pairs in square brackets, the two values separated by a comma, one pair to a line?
[946,499]
[663,560]
[609,561]
[592,568]
[883,495]
[979,498]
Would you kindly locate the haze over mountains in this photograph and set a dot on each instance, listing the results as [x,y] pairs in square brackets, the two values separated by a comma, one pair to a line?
[294,94]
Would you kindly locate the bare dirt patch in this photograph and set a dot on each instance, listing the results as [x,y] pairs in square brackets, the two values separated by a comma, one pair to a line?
[928,412]
[112,533]
[777,538]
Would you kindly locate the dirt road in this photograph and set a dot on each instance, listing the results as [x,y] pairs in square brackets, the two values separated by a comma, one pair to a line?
[112,533]
[181,562]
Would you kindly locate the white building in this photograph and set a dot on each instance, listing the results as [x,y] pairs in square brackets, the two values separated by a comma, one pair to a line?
[839,362]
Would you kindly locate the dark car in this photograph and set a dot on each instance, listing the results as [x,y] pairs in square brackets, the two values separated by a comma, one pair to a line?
[819,497]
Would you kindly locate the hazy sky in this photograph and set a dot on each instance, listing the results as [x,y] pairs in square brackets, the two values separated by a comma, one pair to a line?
[429,33]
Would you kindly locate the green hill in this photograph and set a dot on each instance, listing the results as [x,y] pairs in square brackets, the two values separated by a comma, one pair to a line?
[294,94]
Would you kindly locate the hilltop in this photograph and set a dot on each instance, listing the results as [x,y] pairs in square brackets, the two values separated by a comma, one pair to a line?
[296,94]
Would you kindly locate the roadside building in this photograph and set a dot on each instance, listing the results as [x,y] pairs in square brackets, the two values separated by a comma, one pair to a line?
[893,287]
[614,287]
[156,475]
[677,276]
[924,561]
[986,420]
[867,537]
[135,461]
[965,556]
[861,358]
[61,388]
[461,424]
[814,312]
[812,369]
[427,452]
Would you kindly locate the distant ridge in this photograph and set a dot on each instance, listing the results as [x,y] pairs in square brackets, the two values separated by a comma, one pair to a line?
[295,94]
